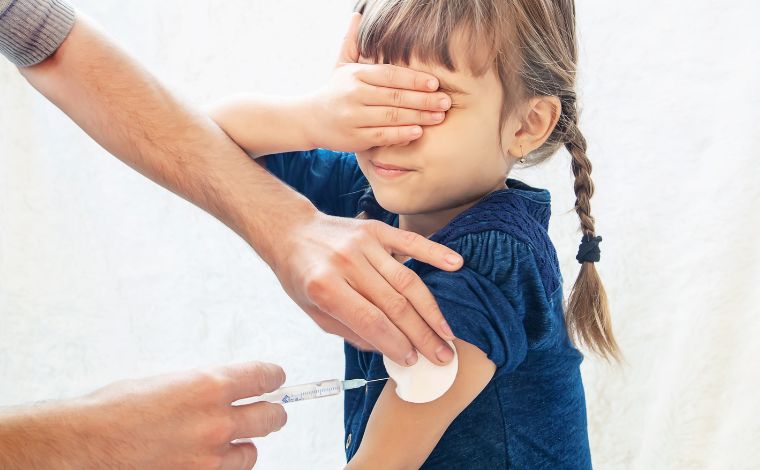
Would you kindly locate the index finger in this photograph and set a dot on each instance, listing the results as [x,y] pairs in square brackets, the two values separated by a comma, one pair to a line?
[252,379]
[416,246]
[393,76]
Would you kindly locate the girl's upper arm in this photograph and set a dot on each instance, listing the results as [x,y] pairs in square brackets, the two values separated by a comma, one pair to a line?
[332,181]
[402,434]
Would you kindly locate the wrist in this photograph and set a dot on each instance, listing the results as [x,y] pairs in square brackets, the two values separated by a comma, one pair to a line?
[303,113]
[273,233]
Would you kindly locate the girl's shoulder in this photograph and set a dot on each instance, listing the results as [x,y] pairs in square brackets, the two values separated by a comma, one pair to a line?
[507,298]
[505,237]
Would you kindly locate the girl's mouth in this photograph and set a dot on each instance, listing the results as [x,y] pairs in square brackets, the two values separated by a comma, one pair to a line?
[386,170]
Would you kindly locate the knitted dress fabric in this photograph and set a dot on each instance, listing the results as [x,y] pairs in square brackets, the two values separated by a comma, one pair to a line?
[507,300]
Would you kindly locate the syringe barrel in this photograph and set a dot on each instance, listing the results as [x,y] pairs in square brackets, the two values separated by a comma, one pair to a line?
[304,392]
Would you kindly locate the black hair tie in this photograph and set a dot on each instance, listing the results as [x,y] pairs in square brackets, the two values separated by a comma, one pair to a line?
[589,249]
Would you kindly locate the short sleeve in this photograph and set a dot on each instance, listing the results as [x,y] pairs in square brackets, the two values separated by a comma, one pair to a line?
[480,313]
[332,181]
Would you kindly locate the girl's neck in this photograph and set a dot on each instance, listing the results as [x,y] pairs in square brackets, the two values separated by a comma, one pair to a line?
[427,223]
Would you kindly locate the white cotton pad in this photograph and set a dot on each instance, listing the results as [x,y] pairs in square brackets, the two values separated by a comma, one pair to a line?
[424,381]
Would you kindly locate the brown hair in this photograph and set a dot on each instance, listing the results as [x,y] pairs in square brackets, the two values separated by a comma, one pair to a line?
[532,46]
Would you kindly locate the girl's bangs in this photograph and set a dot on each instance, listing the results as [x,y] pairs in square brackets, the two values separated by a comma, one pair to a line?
[397,31]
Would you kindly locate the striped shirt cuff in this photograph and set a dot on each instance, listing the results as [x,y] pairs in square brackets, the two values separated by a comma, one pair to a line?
[32,30]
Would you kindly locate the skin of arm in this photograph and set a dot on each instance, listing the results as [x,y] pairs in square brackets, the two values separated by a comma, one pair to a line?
[140,423]
[361,106]
[263,125]
[179,420]
[135,118]
[127,111]
[401,435]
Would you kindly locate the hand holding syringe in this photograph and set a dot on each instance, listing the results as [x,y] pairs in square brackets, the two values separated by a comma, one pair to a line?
[325,388]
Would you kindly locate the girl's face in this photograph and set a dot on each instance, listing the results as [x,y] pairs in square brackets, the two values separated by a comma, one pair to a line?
[454,163]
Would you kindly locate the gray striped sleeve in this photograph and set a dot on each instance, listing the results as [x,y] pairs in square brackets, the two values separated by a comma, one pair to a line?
[32,30]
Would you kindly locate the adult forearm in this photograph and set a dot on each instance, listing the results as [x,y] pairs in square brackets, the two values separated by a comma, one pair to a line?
[31,437]
[182,420]
[127,111]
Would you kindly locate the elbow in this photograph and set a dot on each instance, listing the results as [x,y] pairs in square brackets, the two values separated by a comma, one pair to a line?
[218,112]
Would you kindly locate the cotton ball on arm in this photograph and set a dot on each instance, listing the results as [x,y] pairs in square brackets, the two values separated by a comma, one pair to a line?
[424,381]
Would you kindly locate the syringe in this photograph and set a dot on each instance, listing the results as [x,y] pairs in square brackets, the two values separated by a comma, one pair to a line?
[325,388]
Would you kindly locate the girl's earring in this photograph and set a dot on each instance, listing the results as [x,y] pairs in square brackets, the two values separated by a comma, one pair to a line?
[522,155]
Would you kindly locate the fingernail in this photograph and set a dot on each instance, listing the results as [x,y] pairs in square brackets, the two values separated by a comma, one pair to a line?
[447,329]
[453,259]
[444,354]
[432,84]
[416,131]
[411,358]
[438,116]
[445,103]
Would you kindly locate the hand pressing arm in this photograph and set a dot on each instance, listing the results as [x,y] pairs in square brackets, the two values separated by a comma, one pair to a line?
[133,116]
[362,106]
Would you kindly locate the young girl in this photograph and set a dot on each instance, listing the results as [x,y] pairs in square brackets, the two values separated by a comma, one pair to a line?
[509,66]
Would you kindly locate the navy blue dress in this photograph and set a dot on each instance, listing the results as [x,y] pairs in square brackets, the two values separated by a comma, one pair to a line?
[507,300]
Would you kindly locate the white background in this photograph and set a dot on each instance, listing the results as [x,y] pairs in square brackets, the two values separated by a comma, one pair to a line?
[103,275]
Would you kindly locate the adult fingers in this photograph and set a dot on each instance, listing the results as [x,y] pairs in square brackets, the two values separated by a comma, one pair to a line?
[383,96]
[400,294]
[393,76]
[416,246]
[258,419]
[349,50]
[366,320]
[375,116]
[240,456]
[252,379]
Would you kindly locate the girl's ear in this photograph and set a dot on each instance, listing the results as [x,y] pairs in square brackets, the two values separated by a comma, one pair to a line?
[543,113]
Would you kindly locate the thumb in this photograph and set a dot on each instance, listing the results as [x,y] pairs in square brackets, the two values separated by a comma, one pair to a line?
[349,51]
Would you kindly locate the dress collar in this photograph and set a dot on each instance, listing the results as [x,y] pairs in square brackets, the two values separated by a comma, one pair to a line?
[536,202]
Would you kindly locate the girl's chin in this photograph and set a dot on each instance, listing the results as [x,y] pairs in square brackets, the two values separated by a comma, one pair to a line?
[400,202]
[395,206]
